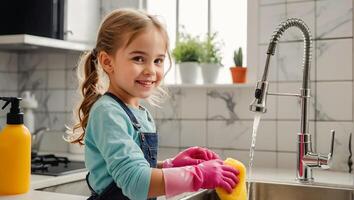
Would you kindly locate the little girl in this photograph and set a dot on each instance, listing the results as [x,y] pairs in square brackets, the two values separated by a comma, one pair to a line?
[120,134]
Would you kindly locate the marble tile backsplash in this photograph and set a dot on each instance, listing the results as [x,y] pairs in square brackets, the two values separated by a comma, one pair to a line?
[218,118]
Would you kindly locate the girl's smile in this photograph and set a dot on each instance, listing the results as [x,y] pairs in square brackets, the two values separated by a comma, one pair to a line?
[137,68]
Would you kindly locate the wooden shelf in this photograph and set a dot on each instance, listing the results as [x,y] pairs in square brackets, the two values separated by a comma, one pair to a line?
[30,42]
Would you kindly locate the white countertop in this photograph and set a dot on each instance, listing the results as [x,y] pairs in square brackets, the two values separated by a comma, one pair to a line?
[41,195]
[322,178]
[42,181]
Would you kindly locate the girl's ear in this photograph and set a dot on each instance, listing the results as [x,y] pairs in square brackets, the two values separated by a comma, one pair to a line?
[106,62]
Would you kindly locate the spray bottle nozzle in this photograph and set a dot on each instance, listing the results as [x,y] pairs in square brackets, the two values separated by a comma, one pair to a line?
[15,116]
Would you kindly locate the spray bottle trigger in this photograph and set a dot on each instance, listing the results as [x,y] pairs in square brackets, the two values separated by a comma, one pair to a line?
[7,103]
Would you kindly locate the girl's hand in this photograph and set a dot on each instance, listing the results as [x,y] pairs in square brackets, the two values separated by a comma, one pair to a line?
[190,156]
[207,175]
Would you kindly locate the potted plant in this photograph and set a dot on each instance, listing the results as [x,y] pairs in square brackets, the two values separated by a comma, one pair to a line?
[187,55]
[238,72]
[211,59]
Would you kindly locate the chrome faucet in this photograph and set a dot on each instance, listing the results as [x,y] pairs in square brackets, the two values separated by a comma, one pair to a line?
[306,158]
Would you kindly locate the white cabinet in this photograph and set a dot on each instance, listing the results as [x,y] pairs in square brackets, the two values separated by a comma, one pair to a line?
[81,20]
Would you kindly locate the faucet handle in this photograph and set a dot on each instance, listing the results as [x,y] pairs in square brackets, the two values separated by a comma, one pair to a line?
[325,161]
[333,132]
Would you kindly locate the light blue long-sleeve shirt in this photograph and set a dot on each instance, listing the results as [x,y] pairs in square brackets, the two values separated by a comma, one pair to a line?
[112,151]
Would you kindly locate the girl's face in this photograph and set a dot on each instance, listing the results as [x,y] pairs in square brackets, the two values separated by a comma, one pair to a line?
[139,67]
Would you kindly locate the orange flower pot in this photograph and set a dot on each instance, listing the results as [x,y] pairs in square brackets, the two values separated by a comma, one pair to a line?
[238,74]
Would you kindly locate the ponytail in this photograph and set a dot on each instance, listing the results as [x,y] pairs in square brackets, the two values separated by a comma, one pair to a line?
[90,90]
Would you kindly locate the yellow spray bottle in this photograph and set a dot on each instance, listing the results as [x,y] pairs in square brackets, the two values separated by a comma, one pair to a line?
[15,151]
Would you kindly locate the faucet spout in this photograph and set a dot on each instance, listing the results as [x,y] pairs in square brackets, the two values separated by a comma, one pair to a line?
[306,158]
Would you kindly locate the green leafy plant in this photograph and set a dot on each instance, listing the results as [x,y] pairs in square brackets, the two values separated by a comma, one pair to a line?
[188,49]
[211,50]
[238,57]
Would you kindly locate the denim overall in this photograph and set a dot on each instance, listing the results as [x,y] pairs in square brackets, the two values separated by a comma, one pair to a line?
[148,144]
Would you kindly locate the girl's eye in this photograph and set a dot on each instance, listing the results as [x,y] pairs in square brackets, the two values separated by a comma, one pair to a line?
[139,59]
[159,61]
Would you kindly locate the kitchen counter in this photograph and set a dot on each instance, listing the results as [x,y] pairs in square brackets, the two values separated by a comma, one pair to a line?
[41,195]
[42,181]
[322,178]
[39,181]
[326,179]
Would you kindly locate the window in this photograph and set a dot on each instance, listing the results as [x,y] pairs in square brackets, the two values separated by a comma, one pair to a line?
[193,17]
[226,17]
[229,19]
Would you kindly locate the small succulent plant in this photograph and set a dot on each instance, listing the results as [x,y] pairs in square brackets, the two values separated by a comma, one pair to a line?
[238,57]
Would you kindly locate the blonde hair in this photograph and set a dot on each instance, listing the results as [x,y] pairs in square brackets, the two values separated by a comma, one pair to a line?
[117,30]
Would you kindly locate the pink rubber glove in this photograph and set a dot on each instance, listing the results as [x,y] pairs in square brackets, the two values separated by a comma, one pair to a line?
[190,156]
[207,175]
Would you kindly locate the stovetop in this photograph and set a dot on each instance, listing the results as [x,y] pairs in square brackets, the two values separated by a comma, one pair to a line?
[49,164]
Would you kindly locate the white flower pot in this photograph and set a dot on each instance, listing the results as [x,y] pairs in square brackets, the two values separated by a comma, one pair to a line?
[189,72]
[210,72]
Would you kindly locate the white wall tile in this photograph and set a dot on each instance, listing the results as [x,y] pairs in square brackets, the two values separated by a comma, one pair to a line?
[233,104]
[287,135]
[8,62]
[169,132]
[193,133]
[171,108]
[32,80]
[221,104]
[270,17]
[55,121]
[334,18]
[72,81]
[164,153]
[265,2]
[56,79]
[8,81]
[72,100]
[238,135]
[286,160]
[261,159]
[289,107]
[266,136]
[341,145]
[31,61]
[53,142]
[56,100]
[304,11]
[264,159]
[290,62]
[150,108]
[334,59]
[334,100]
[72,60]
[56,60]
[193,103]
[240,155]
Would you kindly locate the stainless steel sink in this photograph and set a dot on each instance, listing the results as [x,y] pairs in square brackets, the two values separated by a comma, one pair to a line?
[272,191]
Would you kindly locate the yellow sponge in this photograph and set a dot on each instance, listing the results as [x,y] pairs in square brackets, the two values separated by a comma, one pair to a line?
[240,191]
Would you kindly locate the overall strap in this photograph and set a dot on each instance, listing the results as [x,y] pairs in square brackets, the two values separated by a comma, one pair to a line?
[134,121]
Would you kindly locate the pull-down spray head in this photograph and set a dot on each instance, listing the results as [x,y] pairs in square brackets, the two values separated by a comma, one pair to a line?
[259,103]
